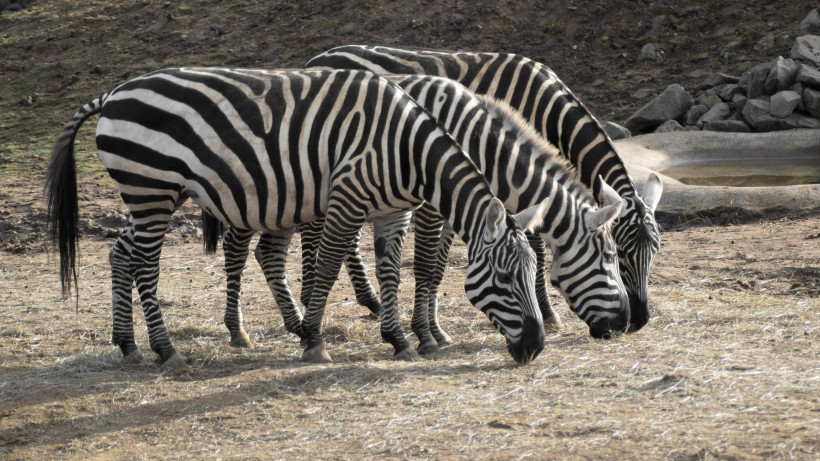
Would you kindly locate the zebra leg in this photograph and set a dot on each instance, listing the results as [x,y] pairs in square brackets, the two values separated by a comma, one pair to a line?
[235,246]
[356,270]
[428,224]
[122,283]
[389,233]
[149,233]
[272,253]
[552,321]
[365,294]
[311,236]
[341,224]
[444,244]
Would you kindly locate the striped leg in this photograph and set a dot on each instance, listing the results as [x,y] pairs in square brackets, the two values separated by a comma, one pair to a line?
[235,245]
[552,321]
[389,233]
[365,294]
[149,233]
[122,283]
[272,254]
[341,224]
[444,244]
[428,225]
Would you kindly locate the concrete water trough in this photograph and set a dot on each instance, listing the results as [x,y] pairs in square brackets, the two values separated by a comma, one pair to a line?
[752,172]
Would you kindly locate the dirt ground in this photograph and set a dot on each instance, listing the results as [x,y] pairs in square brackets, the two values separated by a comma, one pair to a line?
[728,368]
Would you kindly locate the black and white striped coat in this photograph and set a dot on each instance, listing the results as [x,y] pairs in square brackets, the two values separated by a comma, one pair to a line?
[548,104]
[524,171]
[270,150]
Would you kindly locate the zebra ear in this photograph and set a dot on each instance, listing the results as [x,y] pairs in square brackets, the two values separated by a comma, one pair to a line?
[532,219]
[652,190]
[495,218]
[607,196]
[604,215]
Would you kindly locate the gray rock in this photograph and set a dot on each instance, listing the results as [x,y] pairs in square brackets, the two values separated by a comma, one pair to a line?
[752,80]
[783,103]
[669,105]
[811,22]
[735,126]
[798,88]
[694,113]
[728,91]
[615,131]
[809,76]
[811,101]
[717,80]
[739,100]
[708,98]
[650,53]
[669,125]
[807,48]
[756,113]
[717,112]
[781,75]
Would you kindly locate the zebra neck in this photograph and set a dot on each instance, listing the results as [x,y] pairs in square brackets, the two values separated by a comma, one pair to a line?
[566,208]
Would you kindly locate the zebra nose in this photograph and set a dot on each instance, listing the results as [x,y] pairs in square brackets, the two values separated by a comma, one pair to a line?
[639,313]
[531,343]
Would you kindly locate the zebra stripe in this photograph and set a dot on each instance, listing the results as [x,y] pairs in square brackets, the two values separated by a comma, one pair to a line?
[269,150]
[548,104]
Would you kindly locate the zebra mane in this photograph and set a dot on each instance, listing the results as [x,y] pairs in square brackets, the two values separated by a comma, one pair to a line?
[513,120]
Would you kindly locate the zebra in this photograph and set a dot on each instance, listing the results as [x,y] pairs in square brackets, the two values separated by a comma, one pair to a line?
[535,91]
[268,150]
[524,170]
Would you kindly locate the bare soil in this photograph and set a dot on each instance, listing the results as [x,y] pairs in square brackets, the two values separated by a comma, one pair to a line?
[728,368]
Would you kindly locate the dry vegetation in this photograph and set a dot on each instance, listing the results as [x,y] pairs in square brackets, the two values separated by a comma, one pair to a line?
[728,368]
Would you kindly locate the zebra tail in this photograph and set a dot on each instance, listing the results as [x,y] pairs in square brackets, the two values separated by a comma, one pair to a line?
[212,231]
[61,195]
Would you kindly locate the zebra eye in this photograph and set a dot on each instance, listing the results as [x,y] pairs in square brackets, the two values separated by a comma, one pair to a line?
[609,257]
[504,278]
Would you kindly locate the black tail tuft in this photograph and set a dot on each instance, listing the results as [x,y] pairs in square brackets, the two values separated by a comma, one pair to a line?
[61,195]
[212,230]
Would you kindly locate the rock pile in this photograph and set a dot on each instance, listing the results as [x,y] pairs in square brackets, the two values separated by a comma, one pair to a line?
[777,95]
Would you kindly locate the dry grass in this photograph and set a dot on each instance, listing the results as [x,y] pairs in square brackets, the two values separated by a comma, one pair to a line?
[721,372]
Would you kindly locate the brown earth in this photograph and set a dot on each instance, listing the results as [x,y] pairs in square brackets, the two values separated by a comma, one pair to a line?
[727,369]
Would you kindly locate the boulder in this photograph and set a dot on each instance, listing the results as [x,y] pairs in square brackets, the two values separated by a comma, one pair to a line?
[728,91]
[757,114]
[669,125]
[807,48]
[811,101]
[753,80]
[717,112]
[718,80]
[734,126]
[798,88]
[669,105]
[811,22]
[694,113]
[781,75]
[808,76]
[783,103]
[708,98]
[739,100]
[615,131]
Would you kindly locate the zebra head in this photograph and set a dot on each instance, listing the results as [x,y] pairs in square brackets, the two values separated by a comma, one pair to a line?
[500,282]
[639,240]
[585,265]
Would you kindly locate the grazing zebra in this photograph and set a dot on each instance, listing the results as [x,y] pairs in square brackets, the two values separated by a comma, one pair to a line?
[523,171]
[269,150]
[542,98]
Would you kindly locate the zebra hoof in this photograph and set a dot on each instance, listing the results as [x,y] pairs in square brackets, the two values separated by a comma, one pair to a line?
[242,339]
[317,354]
[175,364]
[134,358]
[444,339]
[406,355]
[428,347]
